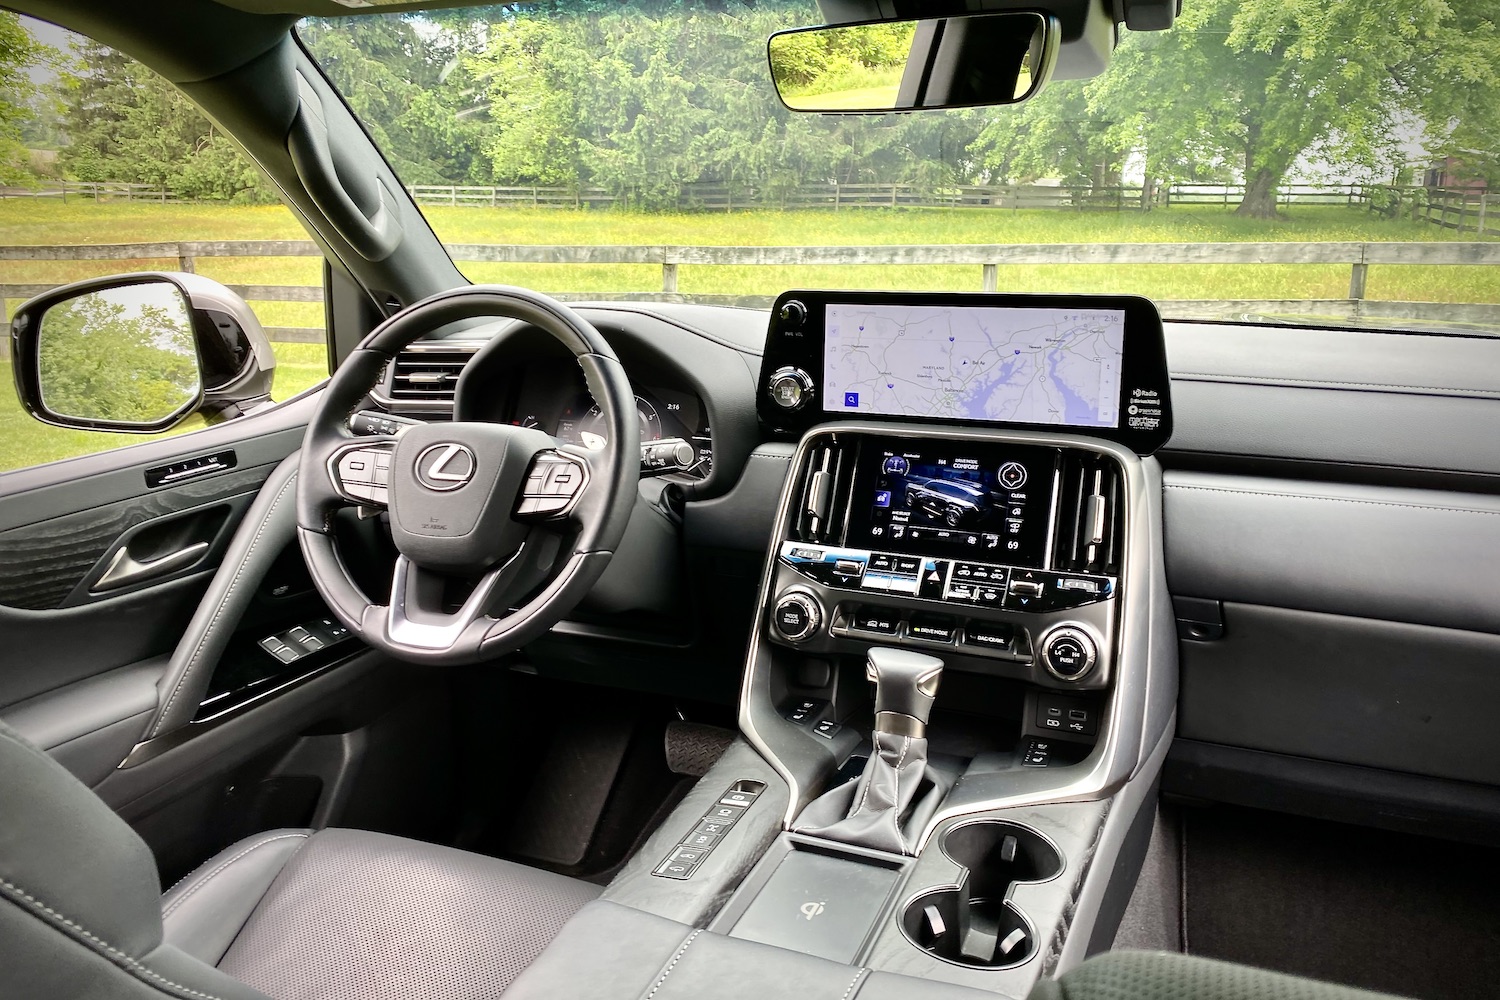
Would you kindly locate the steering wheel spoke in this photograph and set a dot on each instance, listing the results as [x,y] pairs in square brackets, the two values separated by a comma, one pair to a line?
[416,617]
[555,482]
[360,471]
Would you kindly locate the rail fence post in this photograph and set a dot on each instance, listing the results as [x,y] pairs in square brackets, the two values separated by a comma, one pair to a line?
[1357,277]
[185,262]
[991,278]
[668,276]
[1484,202]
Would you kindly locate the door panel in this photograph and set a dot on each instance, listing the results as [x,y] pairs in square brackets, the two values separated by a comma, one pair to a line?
[64,525]
[57,562]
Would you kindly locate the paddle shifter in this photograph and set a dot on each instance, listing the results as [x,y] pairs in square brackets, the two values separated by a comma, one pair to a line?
[897,792]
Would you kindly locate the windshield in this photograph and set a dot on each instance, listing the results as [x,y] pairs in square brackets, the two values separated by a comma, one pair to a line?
[1309,132]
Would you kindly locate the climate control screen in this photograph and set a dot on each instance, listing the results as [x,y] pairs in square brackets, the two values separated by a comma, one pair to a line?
[989,502]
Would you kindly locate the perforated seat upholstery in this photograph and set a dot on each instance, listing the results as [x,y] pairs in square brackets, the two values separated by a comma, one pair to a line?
[290,914]
[1148,975]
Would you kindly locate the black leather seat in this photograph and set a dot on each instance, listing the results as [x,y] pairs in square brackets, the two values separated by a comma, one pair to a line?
[289,914]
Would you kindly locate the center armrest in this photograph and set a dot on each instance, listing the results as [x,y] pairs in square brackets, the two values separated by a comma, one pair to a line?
[610,951]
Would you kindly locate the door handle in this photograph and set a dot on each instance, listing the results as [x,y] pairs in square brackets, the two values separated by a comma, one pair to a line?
[124,569]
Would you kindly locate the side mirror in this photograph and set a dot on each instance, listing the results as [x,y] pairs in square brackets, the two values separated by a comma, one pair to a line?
[139,353]
[941,62]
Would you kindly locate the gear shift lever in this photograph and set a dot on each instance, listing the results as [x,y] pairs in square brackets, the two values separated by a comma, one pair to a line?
[874,811]
[905,685]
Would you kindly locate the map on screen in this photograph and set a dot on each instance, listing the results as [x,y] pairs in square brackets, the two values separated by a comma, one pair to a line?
[1020,365]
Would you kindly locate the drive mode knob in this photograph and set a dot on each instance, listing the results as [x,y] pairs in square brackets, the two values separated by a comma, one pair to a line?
[1069,653]
[790,388]
[796,616]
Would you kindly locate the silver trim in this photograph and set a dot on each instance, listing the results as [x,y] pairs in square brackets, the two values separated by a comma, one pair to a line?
[380,394]
[434,477]
[1049,556]
[403,631]
[1091,650]
[1141,699]
[810,604]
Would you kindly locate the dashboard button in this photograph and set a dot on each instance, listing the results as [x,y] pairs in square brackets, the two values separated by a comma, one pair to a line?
[790,388]
[848,567]
[876,620]
[987,636]
[934,628]
[930,583]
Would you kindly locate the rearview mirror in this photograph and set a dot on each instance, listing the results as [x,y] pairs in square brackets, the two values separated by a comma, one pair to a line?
[942,62]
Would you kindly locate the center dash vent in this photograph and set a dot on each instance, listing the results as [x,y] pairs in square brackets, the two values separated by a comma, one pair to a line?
[1090,515]
[822,506]
[427,376]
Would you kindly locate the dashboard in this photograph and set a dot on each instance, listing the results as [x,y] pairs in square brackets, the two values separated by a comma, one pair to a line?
[676,438]
[1292,448]
[976,503]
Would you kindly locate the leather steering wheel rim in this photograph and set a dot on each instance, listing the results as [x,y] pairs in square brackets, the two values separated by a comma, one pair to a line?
[566,553]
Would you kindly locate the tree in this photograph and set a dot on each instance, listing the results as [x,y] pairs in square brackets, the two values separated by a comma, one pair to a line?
[403,77]
[19,96]
[120,354]
[125,123]
[1262,83]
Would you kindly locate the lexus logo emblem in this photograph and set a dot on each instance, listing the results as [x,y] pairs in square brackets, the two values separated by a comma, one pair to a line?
[445,466]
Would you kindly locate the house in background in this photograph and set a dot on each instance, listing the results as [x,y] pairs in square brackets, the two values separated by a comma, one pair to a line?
[1461,172]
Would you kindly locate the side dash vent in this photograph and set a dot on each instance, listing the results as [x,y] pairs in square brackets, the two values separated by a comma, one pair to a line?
[826,491]
[1090,515]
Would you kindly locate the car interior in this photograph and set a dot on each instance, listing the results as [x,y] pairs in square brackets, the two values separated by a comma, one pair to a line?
[651,649]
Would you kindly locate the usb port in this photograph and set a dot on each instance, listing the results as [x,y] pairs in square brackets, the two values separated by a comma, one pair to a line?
[1078,715]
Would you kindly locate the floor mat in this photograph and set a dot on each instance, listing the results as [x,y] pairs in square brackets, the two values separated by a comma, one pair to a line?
[1384,911]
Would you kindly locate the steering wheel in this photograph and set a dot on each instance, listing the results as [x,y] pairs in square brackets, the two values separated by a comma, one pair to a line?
[483,515]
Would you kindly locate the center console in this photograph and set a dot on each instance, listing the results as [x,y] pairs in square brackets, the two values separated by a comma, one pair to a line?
[971,520]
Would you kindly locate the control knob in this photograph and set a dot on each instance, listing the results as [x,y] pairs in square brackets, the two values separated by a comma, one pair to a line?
[796,616]
[790,388]
[792,312]
[1069,653]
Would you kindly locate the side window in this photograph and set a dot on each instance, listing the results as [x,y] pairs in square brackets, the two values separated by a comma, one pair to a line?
[97,149]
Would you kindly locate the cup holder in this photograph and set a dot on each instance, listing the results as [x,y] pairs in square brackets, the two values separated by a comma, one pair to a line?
[973,923]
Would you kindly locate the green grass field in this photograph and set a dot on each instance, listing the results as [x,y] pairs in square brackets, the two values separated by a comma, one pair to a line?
[45,221]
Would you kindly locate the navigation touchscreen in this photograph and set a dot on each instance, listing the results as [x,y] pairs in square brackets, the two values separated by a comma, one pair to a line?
[990,502]
[974,363]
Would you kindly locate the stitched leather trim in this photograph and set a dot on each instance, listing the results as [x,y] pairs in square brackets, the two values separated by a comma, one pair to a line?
[208,632]
[224,865]
[75,930]
[673,963]
[859,975]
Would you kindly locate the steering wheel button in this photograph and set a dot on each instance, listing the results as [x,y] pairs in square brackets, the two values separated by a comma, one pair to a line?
[382,460]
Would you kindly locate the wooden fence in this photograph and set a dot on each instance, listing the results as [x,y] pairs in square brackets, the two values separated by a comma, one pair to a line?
[1461,210]
[725,197]
[1451,208]
[987,258]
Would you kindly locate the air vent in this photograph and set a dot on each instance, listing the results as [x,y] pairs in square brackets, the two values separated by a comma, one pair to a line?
[822,509]
[1090,515]
[427,376]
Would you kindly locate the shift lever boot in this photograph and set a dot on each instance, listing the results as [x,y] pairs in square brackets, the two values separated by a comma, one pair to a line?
[875,813]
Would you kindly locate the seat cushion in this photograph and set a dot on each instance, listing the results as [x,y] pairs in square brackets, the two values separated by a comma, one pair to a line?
[1149,975]
[352,914]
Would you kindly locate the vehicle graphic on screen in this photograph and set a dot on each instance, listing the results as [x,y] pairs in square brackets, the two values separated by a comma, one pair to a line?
[952,502]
